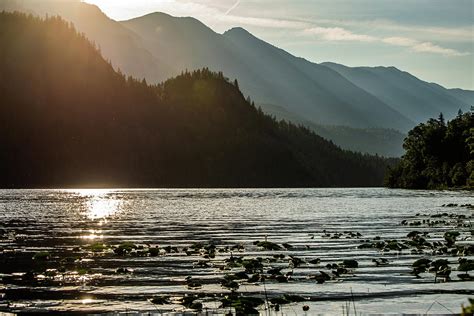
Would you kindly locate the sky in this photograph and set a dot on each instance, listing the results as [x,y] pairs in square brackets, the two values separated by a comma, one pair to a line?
[432,39]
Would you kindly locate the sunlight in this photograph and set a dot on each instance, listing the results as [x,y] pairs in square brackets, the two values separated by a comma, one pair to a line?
[101,208]
[100,204]
[93,234]
[87,301]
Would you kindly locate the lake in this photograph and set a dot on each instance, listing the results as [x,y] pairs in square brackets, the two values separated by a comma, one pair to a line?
[116,250]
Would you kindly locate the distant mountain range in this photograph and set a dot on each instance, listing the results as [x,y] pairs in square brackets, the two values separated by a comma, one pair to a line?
[266,73]
[410,96]
[362,108]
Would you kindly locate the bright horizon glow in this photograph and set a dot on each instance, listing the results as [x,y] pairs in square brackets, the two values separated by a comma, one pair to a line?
[432,39]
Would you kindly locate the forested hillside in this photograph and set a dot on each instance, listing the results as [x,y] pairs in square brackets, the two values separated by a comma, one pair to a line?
[438,155]
[67,118]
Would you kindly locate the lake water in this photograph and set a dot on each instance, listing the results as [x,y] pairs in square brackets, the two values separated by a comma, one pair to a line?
[65,223]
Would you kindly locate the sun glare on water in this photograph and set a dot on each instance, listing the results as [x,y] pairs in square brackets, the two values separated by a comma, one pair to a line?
[100,208]
[100,203]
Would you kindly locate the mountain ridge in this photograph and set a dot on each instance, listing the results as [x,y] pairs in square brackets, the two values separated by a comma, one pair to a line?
[397,88]
[69,119]
[253,61]
[341,102]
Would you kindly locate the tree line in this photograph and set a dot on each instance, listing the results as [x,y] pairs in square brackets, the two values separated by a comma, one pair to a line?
[439,155]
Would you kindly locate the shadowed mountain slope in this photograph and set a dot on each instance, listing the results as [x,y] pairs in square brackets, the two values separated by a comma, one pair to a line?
[158,46]
[67,118]
[266,73]
[466,96]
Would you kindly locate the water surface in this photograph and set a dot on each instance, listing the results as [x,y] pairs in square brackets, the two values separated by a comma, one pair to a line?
[64,222]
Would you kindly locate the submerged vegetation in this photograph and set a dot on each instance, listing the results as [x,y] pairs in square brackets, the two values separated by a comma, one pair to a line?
[234,278]
[67,118]
[438,155]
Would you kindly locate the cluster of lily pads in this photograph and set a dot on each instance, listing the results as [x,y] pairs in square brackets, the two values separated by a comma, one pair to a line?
[441,268]
[449,246]
[278,263]
[235,269]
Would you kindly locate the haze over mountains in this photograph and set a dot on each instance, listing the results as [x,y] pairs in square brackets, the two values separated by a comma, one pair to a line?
[365,109]
[404,92]
[68,119]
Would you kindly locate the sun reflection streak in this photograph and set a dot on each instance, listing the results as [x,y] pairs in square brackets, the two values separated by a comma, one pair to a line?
[87,301]
[101,208]
[93,234]
[100,204]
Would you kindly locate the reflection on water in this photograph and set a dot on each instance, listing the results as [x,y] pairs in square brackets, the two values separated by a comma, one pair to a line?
[100,204]
[94,234]
[102,207]
[87,301]
[78,235]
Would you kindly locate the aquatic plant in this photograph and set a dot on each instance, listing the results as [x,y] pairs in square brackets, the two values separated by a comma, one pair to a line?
[267,245]
[295,262]
[450,237]
[189,301]
[230,283]
[96,247]
[465,265]
[315,261]
[42,256]
[252,265]
[125,248]
[254,278]
[351,264]
[241,276]
[321,277]
[154,251]
[123,271]
[380,262]
[160,300]
[440,268]
[420,266]
[192,284]
[243,305]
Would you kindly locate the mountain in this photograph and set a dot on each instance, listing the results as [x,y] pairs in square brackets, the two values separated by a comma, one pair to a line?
[266,73]
[380,141]
[118,44]
[412,97]
[67,118]
[158,46]
[466,96]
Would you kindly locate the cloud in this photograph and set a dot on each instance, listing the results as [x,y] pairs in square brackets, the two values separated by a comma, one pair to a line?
[399,41]
[422,47]
[448,34]
[427,47]
[338,34]
[341,34]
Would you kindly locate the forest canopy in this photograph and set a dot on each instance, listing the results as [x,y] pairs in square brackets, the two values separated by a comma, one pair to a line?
[68,119]
[438,155]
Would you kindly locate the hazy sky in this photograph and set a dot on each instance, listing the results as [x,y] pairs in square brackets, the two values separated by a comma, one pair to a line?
[433,39]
